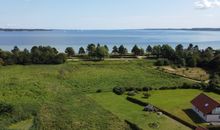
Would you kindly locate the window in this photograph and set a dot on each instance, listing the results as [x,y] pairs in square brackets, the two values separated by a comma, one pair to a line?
[218,117]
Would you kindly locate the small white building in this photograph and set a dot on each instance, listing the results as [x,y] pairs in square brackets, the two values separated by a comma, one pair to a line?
[207,108]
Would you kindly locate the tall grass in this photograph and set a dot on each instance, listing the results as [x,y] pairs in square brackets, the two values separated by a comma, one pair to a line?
[55,94]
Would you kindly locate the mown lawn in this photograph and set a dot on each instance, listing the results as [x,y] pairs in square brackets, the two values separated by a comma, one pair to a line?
[177,102]
[55,95]
[126,110]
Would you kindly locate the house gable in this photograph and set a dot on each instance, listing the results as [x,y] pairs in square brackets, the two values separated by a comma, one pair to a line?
[205,104]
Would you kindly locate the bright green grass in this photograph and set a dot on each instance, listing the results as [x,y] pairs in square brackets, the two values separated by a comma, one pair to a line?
[126,110]
[177,102]
[23,125]
[55,94]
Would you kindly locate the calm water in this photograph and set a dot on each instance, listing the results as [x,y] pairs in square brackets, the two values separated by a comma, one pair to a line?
[77,38]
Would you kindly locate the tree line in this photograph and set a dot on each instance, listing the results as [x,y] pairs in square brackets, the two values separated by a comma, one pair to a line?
[37,55]
[191,56]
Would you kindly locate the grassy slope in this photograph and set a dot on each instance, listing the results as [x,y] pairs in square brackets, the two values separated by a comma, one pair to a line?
[194,73]
[105,75]
[177,102]
[55,94]
[119,106]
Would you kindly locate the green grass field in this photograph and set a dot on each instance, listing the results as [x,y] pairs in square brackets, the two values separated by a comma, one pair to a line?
[177,102]
[126,110]
[55,95]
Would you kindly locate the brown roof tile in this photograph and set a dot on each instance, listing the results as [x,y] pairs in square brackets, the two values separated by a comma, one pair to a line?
[204,103]
[201,128]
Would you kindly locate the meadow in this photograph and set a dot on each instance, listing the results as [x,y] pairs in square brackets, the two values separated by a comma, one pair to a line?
[54,97]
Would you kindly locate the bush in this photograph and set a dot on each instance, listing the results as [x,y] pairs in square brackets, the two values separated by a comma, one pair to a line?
[131,93]
[186,86]
[146,95]
[129,88]
[162,62]
[197,86]
[6,108]
[164,88]
[146,88]
[99,91]
[1,61]
[154,125]
[119,90]
[133,126]
[138,89]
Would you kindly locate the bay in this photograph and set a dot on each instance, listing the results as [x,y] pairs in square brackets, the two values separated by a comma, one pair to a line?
[77,38]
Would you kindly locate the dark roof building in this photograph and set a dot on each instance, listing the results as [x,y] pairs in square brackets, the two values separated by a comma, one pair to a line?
[201,128]
[204,103]
[207,108]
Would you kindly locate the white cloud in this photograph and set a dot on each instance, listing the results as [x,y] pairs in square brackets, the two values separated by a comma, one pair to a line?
[207,4]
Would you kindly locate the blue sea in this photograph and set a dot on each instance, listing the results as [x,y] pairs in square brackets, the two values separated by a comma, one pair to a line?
[77,38]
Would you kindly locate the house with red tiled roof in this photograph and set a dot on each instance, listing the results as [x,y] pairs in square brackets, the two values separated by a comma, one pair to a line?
[207,108]
[201,128]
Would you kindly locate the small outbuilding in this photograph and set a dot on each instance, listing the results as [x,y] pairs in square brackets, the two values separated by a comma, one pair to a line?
[149,108]
[207,108]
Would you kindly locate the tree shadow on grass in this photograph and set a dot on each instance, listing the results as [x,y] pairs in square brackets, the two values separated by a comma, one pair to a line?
[193,116]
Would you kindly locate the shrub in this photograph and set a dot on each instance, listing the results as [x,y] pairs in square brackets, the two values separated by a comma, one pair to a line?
[131,93]
[133,126]
[197,86]
[129,88]
[119,90]
[186,86]
[164,88]
[6,108]
[146,95]
[138,89]
[154,125]
[1,61]
[162,62]
[173,87]
[146,88]
[99,91]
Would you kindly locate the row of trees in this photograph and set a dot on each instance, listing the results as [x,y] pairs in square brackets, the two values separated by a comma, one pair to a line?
[37,55]
[92,50]
[191,56]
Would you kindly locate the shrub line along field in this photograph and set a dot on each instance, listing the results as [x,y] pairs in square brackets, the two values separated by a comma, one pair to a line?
[54,96]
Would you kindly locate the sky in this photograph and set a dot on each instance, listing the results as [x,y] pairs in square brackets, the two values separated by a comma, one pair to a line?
[109,14]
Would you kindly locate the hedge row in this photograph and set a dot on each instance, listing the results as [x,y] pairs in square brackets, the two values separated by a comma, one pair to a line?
[136,101]
[132,125]
[202,86]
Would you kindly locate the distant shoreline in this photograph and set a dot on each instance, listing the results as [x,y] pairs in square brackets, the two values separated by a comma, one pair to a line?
[187,29]
[20,30]
[184,29]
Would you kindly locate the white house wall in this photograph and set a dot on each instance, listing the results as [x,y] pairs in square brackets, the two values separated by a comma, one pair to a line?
[199,113]
[213,118]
